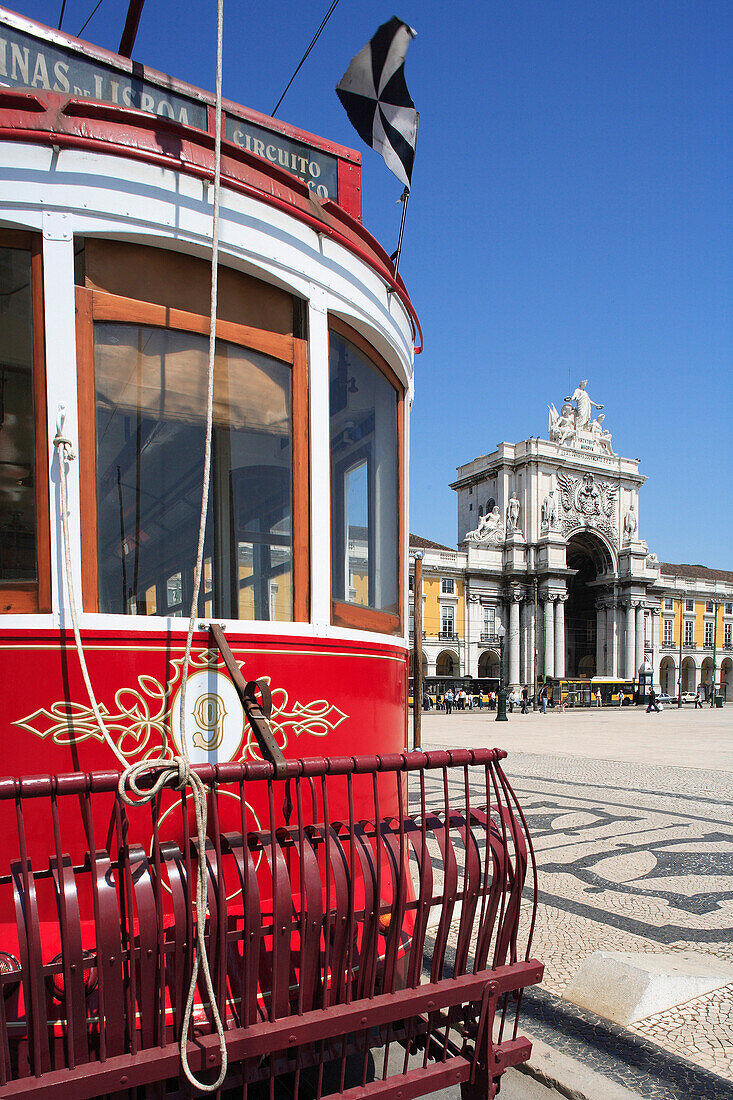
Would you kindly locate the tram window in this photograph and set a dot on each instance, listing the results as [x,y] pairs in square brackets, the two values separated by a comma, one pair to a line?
[150,395]
[365,411]
[24,563]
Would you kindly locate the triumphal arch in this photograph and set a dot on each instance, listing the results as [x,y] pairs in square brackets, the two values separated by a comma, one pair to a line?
[551,532]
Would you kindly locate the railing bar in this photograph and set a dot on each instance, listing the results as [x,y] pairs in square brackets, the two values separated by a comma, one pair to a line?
[248,868]
[125,874]
[190,881]
[275,897]
[157,888]
[350,895]
[65,955]
[302,922]
[31,991]
[220,975]
[485,886]
[502,901]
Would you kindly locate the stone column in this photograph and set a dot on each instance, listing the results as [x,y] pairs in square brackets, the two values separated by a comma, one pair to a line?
[611,638]
[639,658]
[513,638]
[530,674]
[600,638]
[549,637]
[560,637]
[630,641]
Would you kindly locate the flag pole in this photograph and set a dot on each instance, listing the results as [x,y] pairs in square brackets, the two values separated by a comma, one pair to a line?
[404,199]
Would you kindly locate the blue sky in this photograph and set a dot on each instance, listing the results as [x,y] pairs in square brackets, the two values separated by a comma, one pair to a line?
[570,218]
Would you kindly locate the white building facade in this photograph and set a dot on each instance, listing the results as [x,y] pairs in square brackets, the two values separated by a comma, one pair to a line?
[549,545]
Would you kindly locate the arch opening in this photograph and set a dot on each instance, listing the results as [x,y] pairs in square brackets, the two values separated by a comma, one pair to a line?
[447,664]
[590,558]
[488,665]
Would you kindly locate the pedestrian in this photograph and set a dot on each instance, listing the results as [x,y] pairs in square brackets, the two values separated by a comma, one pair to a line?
[470,701]
[543,698]
[525,700]
[511,700]
[653,704]
[449,701]
[599,697]
[480,700]
[698,700]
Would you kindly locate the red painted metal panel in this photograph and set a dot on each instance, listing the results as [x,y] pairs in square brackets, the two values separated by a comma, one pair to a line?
[292,899]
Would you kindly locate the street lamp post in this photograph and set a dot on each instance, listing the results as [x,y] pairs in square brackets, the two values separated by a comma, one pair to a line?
[501,701]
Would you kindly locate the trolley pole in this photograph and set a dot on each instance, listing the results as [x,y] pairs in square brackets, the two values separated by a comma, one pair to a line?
[417,653]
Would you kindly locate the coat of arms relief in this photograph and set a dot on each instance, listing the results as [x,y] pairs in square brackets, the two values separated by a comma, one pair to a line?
[587,502]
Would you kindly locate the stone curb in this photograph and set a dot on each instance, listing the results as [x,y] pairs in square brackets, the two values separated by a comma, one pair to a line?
[637,1060]
[569,1077]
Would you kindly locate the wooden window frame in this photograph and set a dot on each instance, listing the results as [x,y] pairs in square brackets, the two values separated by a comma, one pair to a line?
[349,614]
[97,305]
[32,597]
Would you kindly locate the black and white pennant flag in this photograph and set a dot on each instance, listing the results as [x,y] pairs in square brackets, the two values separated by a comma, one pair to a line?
[375,97]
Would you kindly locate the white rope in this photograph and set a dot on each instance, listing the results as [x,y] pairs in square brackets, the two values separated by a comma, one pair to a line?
[176,772]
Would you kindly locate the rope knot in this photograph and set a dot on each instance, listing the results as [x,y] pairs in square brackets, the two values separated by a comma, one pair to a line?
[184,773]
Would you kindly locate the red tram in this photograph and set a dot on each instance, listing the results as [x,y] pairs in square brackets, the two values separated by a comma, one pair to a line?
[106,175]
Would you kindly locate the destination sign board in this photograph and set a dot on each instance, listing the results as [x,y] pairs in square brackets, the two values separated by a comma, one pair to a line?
[30,62]
[315,168]
[40,60]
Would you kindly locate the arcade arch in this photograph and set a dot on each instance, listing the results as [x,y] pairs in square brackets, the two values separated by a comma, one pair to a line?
[706,677]
[488,665]
[447,663]
[688,674]
[726,678]
[667,676]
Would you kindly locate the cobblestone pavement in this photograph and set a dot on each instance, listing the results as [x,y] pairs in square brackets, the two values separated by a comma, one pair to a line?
[632,856]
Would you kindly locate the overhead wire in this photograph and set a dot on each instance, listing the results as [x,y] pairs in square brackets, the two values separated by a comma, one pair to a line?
[304,58]
[94,12]
[61,17]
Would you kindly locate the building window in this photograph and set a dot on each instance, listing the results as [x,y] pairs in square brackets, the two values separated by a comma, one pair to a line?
[447,586]
[668,603]
[489,620]
[647,628]
[470,490]
[668,625]
[25,575]
[729,609]
[411,582]
[708,635]
[447,620]
[689,605]
[689,632]
[470,507]
[480,510]
[728,635]
[366,412]
[709,606]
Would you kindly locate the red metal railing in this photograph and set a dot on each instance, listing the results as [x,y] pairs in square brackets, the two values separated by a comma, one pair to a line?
[349,944]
